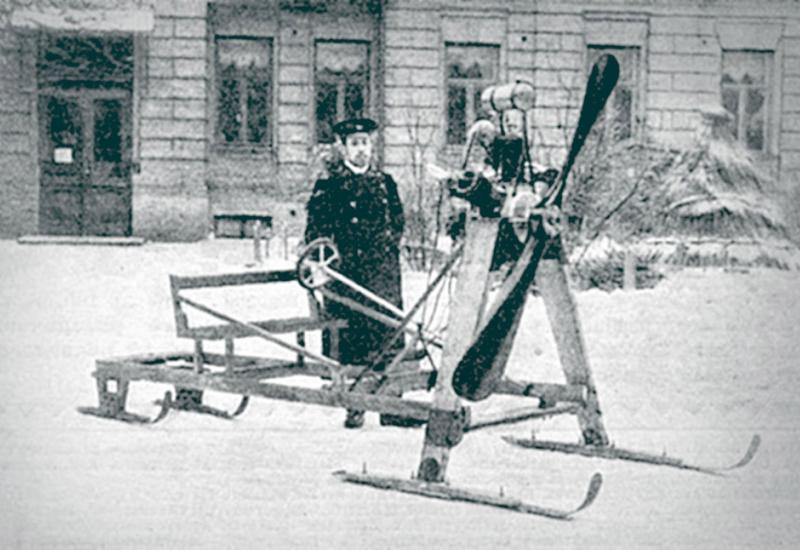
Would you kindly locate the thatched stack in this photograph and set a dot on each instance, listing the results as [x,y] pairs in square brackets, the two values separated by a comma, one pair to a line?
[718,205]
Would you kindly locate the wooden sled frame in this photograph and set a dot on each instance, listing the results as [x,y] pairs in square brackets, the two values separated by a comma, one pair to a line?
[193,372]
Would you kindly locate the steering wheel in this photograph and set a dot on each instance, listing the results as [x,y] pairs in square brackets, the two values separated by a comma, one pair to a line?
[318,255]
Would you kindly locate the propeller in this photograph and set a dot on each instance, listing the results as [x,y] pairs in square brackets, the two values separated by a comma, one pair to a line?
[483,364]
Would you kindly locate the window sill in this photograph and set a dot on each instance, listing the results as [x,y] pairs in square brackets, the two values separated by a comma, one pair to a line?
[228,149]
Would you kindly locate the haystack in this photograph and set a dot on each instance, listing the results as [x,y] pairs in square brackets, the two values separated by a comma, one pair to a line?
[719,206]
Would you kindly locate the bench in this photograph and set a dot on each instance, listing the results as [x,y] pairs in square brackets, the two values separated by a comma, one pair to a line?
[244,223]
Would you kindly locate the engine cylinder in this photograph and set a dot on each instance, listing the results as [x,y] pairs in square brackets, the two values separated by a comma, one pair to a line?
[513,95]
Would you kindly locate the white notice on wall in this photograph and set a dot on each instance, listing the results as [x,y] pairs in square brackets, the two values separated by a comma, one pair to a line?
[62,155]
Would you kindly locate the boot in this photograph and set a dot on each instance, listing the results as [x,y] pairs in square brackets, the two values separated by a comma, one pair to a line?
[354,419]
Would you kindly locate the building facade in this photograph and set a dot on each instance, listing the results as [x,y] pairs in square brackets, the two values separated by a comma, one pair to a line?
[145,118]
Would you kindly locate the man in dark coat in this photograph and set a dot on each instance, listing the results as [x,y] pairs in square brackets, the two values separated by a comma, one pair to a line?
[359,208]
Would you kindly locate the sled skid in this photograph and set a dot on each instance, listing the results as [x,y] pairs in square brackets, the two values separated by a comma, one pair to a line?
[192,401]
[446,492]
[617,453]
[131,418]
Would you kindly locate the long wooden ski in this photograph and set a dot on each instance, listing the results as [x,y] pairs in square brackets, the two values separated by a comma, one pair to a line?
[447,492]
[617,453]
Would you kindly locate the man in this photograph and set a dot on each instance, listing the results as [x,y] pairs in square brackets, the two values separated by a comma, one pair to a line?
[359,208]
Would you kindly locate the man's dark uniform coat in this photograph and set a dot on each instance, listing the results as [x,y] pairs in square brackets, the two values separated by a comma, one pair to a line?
[363,215]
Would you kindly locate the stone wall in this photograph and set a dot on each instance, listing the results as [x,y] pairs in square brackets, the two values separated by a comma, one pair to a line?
[170,196]
[680,53]
[19,184]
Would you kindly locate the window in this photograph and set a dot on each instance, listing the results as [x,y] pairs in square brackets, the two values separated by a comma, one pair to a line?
[469,69]
[244,92]
[622,107]
[745,94]
[341,84]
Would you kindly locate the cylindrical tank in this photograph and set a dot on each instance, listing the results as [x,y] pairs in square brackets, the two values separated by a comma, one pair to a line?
[513,95]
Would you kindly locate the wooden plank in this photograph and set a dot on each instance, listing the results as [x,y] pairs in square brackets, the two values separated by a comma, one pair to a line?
[551,393]
[185,378]
[464,317]
[233,279]
[149,358]
[277,326]
[562,312]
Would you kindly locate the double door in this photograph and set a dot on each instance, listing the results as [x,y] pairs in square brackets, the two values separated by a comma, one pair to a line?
[85,162]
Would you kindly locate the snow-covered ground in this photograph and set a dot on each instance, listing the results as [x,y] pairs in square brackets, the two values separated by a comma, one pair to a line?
[694,366]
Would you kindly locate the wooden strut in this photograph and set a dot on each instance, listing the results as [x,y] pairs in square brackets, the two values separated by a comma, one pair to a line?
[472,287]
[447,492]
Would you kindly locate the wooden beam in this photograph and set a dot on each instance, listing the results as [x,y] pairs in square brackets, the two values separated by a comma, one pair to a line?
[277,326]
[551,393]
[185,378]
[464,317]
[551,281]
[233,279]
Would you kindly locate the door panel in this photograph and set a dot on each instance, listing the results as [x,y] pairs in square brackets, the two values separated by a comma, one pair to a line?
[106,211]
[61,208]
[108,199]
[61,158]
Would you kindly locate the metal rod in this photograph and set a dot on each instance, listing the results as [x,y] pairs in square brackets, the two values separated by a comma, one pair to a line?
[362,290]
[380,317]
[513,417]
[448,265]
[258,331]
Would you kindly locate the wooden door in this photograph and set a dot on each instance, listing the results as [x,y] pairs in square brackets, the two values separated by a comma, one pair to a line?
[84,158]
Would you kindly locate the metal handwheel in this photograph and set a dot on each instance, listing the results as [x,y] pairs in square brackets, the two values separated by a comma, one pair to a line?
[317,257]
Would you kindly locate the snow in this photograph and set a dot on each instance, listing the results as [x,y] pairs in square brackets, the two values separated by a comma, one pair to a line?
[694,366]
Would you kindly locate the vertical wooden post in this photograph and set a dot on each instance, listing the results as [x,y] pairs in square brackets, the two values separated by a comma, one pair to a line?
[551,281]
[443,430]
[199,358]
[257,241]
[629,270]
[229,350]
[301,341]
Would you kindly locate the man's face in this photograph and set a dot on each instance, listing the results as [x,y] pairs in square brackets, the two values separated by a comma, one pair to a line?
[358,148]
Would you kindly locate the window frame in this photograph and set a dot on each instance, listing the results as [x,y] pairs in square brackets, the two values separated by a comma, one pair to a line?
[768,88]
[471,110]
[218,142]
[367,85]
[637,86]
